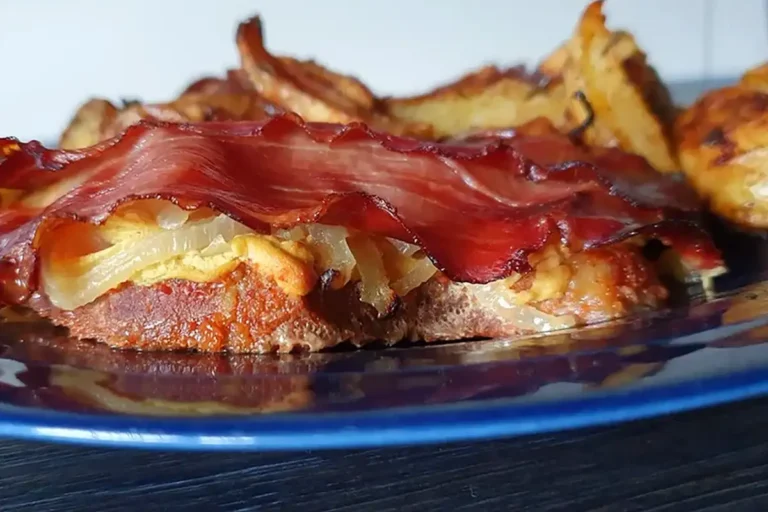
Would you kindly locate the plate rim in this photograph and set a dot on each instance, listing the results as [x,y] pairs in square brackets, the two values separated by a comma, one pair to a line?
[467,421]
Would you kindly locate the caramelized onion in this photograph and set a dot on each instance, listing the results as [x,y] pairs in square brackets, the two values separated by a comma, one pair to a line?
[404,248]
[374,283]
[170,216]
[419,274]
[151,231]
[294,234]
[333,240]
[73,282]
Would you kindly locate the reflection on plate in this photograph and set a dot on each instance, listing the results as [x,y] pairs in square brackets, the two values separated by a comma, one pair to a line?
[41,367]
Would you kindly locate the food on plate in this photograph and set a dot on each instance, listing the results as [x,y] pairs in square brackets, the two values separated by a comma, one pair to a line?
[282,206]
[310,90]
[88,124]
[626,104]
[485,99]
[98,119]
[723,145]
[597,85]
[282,235]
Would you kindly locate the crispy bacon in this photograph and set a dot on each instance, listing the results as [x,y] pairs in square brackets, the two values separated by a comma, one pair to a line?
[476,210]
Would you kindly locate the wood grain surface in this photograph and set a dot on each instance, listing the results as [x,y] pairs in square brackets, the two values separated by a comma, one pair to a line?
[708,460]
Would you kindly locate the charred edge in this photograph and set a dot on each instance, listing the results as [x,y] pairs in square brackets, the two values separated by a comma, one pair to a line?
[209,114]
[578,132]
[715,137]
[326,278]
[129,102]
[394,306]
[652,249]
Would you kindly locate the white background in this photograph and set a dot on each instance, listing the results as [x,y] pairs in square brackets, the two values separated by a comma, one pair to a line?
[54,54]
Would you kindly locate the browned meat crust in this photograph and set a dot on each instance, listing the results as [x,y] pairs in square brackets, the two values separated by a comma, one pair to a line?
[247,312]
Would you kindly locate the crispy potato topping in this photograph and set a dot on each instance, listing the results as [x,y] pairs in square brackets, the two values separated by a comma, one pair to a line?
[722,140]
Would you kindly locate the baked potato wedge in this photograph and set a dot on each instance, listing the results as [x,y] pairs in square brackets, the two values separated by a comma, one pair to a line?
[487,99]
[554,63]
[315,93]
[598,83]
[196,107]
[88,124]
[756,78]
[722,142]
[234,82]
[99,119]
[629,105]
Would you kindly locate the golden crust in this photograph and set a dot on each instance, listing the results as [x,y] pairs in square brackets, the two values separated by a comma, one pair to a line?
[632,107]
[195,107]
[722,140]
[756,78]
[87,126]
[247,311]
[312,91]
[554,63]
[99,119]
[485,99]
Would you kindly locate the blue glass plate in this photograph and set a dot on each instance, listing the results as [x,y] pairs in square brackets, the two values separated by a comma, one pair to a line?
[711,350]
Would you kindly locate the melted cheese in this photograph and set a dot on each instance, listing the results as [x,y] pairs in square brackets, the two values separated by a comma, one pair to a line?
[289,263]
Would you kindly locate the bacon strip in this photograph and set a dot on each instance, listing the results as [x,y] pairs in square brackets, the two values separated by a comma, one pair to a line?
[476,209]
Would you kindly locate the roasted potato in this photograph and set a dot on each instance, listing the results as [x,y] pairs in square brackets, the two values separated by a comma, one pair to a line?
[597,85]
[87,126]
[630,106]
[312,91]
[195,107]
[722,142]
[756,78]
[99,119]
[554,64]
[487,99]
[235,82]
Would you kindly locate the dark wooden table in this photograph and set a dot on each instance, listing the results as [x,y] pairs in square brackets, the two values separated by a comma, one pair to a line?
[708,460]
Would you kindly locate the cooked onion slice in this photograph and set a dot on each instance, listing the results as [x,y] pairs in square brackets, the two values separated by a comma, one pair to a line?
[374,283]
[294,234]
[147,232]
[419,274]
[71,282]
[404,248]
[336,251]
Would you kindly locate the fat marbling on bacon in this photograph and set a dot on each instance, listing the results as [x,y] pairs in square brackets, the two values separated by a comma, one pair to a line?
[476,209]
